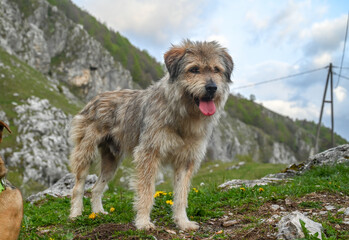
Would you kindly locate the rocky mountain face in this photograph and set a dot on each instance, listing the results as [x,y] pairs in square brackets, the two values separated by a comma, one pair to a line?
[50,66]
[47,40]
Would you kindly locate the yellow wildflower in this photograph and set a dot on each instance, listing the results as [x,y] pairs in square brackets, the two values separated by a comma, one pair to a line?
[195,190]
[169,202]
[261,189]
[159,193]
[92,216]
[242,189]
[112,209]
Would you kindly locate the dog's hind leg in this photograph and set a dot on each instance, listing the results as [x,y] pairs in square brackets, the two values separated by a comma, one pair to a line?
[78,191]
[80,160]
[111,158]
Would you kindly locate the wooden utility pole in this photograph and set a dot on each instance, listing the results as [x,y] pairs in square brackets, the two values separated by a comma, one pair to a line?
[329,77]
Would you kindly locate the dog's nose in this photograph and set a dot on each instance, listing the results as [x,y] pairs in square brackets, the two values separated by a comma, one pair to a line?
[211,88]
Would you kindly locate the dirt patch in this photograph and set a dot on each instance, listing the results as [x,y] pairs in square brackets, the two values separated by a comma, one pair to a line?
[246,222]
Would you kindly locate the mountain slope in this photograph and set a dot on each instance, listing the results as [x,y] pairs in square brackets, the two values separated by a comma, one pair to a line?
[282,129]
[143,67]
[38,114]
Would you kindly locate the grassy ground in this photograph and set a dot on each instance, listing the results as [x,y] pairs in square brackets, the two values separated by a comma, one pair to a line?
[209,206]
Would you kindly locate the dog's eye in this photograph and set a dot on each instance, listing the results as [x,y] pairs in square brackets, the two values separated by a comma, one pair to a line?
[194,70]
[217,70]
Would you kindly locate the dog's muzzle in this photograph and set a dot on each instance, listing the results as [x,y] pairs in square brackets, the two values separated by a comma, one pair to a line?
[206,103]
[211,89]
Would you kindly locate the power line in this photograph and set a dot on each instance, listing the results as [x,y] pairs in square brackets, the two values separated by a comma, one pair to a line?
[339,67]
[345,42]
[280,78]
[341,76]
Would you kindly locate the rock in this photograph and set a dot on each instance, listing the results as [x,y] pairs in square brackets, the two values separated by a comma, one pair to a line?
[45,161]
[288,202]
[51,43]
[346,221]
[170,231]
[290,227]
[236,183]
[330,207]
[341,210]
[331,156]
[275,207]
[338,154]
[346,212]
[229,223]
[273,218]
[63,187]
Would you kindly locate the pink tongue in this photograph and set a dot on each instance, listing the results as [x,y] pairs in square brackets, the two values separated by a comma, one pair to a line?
[207,107]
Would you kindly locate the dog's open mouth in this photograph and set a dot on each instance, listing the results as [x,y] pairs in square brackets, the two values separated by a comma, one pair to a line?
[206,105]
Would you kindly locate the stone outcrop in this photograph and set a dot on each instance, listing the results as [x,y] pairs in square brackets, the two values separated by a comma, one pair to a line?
[289,226]
[51,43]
[232,138]
[63,187]
[335,155]
[44,161]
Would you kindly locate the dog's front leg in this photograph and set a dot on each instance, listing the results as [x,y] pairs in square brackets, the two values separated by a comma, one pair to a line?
[146,169]
[182,180]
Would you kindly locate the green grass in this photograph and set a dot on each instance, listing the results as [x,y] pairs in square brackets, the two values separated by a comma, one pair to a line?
[49,218]
[217,172]
[212,172]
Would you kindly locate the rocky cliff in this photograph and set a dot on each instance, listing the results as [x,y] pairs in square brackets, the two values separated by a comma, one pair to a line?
[50,66]
[51,43]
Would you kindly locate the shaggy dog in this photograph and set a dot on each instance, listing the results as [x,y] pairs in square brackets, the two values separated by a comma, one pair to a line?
[168,123]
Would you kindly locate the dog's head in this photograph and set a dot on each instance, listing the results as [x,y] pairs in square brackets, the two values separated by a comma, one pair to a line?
[203,71]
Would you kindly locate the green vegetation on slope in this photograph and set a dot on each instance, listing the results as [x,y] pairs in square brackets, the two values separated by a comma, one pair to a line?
[281,129]
[206,205]
[19,82]
[143,67]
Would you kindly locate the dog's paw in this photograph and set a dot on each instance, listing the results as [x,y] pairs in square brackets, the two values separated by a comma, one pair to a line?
[99,211]
[74,214]
[188,225]
[145,226]
[102,212]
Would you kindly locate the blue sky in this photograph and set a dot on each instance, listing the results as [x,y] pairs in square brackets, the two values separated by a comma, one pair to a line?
[267,39]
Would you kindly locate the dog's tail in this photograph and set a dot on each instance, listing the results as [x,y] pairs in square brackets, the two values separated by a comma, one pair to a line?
[83,137]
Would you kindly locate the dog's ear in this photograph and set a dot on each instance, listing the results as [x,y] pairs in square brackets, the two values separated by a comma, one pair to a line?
[229,65]
[172,60]
[2,125]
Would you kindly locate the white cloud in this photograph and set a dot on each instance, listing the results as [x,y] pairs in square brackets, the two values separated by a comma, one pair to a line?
[152,20]
[325,36]
[281,22]
[293,109]
[322,59]
[340,93]
[221,39]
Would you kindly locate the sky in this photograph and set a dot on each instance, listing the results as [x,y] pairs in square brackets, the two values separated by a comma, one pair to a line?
[267,39]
